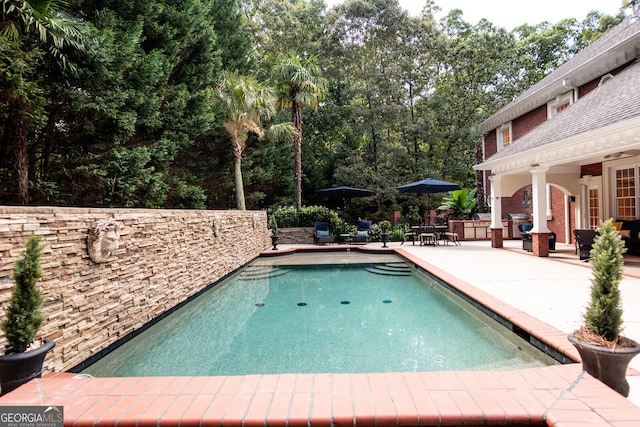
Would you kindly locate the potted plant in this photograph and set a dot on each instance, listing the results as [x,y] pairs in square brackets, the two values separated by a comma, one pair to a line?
[24,355]
[273,225]
[604,352]
[384,232]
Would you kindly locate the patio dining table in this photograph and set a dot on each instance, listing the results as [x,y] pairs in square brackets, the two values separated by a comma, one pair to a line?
[428,234]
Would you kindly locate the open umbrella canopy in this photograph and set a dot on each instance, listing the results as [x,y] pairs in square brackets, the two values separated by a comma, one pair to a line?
[344,192]
[428,186]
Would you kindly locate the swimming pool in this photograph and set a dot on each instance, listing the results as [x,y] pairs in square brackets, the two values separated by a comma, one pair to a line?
[322,313]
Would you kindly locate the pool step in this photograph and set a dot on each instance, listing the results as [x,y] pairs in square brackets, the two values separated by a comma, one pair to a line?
[391,269]
[262,272]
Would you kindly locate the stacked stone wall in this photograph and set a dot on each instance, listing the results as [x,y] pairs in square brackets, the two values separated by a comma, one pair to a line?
[163,258]
[295,235]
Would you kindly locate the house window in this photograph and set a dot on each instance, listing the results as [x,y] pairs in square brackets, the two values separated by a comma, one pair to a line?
[504,135]
[594,207]
[625,193]
[562,102]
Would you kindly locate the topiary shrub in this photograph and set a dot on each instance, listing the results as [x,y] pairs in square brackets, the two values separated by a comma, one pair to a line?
[604,312]
[24,313]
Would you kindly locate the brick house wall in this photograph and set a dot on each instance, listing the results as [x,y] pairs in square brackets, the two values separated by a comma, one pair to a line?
[525,123]
[520,202]
[164,257]
[594,169]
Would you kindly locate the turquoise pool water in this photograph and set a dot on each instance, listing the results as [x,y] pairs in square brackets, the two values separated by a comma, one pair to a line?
[285,318]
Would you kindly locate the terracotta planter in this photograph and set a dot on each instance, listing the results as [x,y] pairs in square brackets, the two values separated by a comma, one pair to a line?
[19,368]
[607,365]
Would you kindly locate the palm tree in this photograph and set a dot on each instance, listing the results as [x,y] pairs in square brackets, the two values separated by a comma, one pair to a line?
[25,27]
[248,102]
[300,84]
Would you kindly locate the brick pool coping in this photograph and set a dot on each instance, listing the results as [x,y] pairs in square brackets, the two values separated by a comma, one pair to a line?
[559,396]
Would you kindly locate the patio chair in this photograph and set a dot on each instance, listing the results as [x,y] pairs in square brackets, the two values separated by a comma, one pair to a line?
[428,235]
[321,233]
[525,235]
[584,242]
[412,233]
[452,236]
[363,232]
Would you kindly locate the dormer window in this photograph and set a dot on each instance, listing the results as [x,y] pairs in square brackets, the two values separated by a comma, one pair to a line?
[605,79]
[504,135]
[562,102]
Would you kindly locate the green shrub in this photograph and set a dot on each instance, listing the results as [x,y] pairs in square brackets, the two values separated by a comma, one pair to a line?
[288,216]
[396,234]
[604,311]
[24,313]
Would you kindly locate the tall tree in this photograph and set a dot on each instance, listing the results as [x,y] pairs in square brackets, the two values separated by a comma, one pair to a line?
[28,29]
[300,85]
[248,103]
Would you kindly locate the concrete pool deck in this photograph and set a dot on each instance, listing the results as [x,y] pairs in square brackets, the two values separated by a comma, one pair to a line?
[544,296]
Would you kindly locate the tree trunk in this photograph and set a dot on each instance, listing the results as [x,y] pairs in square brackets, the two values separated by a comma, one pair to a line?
[480,191]
[237,169]
[296,118]
[15,145]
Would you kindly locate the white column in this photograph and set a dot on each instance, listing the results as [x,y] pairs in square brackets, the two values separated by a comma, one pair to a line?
[539,199]
[496,205]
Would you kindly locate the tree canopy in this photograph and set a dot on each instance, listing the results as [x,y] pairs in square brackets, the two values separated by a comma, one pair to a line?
[122,108]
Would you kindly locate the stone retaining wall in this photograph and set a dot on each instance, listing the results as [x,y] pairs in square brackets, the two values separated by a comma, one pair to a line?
[164,257]
[296,235]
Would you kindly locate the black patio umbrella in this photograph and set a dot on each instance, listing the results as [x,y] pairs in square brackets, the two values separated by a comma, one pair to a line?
[344,192]
[428,186]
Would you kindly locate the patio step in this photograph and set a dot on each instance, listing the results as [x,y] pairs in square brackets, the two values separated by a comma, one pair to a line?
[262,272]
[391,269]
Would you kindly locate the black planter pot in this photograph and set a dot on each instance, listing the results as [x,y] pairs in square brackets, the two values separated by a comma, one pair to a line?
[606,364]
[19,368]
[274,242]
[385,238]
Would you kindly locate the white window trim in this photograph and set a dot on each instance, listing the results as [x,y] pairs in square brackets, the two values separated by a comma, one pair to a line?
[558,101]
[636,171]
[503,127]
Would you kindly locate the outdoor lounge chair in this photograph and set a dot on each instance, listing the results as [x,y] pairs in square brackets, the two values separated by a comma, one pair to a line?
[363,232]
[584,242]
[321,233]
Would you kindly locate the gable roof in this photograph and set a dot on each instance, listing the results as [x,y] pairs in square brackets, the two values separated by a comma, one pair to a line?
[615,101]
[615,48]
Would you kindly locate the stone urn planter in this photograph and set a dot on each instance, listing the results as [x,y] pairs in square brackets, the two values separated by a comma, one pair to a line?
[607,364]
[25,354]
[17,369]
[384,232]
[604,352]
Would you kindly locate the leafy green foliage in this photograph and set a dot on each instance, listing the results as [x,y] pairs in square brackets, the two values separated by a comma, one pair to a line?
[24,313]
[402,98]
[462,204]
[289,216]
[604,311]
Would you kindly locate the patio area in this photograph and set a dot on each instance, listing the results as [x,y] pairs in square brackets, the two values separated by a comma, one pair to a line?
[544,296]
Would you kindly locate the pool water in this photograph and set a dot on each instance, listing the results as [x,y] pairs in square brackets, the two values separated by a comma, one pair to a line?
[338,318]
